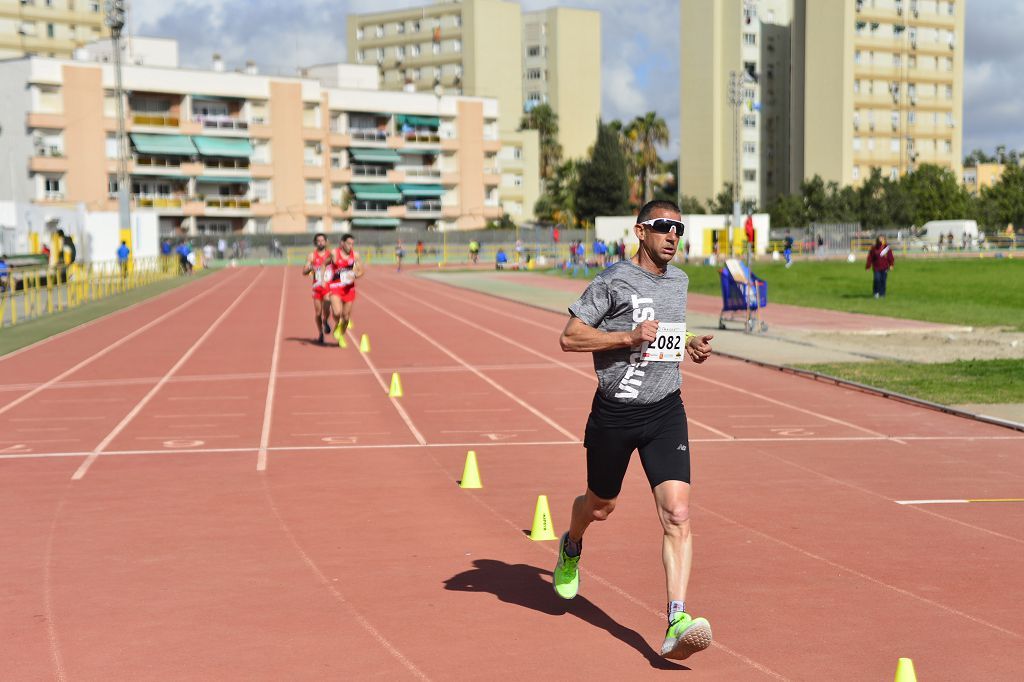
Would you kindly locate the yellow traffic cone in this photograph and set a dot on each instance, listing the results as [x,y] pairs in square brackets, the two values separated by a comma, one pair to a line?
[364,344]
[470,474]
[905,671]
[542,527]
[396,386]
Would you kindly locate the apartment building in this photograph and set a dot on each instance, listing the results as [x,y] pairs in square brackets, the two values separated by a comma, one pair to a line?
[228,152]
[490,48]
[561,53]
[892,98]
[749,42]
[49,28]
[976,178]
[862,84]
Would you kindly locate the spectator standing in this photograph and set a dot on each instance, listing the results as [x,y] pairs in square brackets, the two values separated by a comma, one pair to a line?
[500,260]
[474,251]
[788,249]
[420,248]
[208,253]
[881,261]
[399,254]
[222,248]
[122,258]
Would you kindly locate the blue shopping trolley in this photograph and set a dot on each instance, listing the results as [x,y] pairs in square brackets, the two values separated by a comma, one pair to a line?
[749,296]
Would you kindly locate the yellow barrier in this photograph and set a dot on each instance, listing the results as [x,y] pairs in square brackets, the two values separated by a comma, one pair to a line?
[33,292]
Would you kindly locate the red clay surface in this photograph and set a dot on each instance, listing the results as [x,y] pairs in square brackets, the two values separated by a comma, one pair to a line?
[796,317]
[218,498]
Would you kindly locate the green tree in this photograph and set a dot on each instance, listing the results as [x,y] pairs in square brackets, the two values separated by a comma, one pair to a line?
[1003,202]
[721,203]
[978,156]
[544,120]
[690,205]
[603,185]
[787,210]
[645,133]
[558,203]
[933,193]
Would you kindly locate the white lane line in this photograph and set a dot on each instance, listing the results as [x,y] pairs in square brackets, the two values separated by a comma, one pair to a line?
[565,365]
[268,406]
[63,418]
[522,403]
[153,391]
[859,574]
[114,345]
[387,389]
[219,415]
[211,397]
[731,388]
[930,501]
[102,318]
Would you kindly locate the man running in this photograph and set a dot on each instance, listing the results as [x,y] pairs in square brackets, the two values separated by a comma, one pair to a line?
[318,266]
[347,267]
[632,318]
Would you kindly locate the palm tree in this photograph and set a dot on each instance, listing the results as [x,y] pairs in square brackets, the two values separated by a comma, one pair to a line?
[544,120]
[645,133]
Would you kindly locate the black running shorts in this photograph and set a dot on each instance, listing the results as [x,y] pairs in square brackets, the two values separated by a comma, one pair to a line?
[615,430]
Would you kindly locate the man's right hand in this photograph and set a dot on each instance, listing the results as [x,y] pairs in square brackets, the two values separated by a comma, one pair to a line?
[644,333]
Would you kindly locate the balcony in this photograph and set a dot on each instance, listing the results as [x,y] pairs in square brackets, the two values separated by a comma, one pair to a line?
[369,135]
[158,200]
[228,202]
[156,120]
[52,195]
[380,172]
[420,172]
[226,164]
[423,208]
[370,207]
[220,122]
[422,137]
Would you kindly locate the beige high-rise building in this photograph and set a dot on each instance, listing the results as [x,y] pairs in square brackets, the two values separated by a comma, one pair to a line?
[48,28]
[883,87]
[720,38]
[561,67]
[490,48]
[841,86]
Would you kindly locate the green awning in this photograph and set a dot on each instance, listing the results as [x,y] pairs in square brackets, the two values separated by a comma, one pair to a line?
[421,152]
[171,145]
[375,155]
[422,190]
[422,121]
[375,222]
[223,146]
[222,180]
[382,192]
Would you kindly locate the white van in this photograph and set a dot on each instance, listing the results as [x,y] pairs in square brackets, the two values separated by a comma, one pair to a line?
[959,228]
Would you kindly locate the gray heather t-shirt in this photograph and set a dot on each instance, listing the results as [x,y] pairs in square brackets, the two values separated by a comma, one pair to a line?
[618,300]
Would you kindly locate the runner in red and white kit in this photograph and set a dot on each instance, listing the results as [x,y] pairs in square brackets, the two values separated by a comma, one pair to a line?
[318,265]
[346,268]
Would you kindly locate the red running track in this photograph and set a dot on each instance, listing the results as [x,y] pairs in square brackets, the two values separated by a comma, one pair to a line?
[215,497]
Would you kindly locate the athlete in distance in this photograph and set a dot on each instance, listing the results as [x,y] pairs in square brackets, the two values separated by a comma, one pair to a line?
[346,266]
[638,406]
[319,267]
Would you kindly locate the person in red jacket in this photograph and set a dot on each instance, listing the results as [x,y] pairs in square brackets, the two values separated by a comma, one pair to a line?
[880,259]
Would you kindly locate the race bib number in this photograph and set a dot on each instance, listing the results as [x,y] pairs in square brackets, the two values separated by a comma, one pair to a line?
[669,345]
[346,277]
[321,275]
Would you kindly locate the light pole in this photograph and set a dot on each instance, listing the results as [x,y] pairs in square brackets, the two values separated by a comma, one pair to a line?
[735,100]
[115,20]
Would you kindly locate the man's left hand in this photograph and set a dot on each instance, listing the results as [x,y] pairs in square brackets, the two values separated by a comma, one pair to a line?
[699,348]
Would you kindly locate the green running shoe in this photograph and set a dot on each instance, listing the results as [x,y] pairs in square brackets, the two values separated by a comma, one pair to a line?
[566,579]
[686,636]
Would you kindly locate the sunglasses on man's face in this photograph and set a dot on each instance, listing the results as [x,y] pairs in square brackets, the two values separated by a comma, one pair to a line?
[664,225]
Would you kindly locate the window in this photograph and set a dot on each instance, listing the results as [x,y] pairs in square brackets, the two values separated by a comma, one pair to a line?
[517,180]
[911,117]
[856,57]
[456,46]
[414,50]
[314,224]
[856,87]
[361,56]
[380,30]
[416,26]
[359,33]
[94,7]
[894,173]
[949,92]
[948,146]
[314,192]
[749,175]
[856,144]
[399,27]
[533,51]
[517,152]
[748,93]
[896,59]
[749,148]
[894,144]
[949,119]
[949,9]
[53,186]
[111,146]
[750,39]
[749,121]
[260,190]
[533,98]
[871,144]
[856,173]
[457,20]
[533,74]
[400,52]
[49,31]
[437,48]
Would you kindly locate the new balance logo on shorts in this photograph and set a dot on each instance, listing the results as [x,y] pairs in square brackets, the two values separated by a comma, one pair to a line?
[681,447]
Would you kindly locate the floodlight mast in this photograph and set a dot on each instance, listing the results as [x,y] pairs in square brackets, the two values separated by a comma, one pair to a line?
[115,19]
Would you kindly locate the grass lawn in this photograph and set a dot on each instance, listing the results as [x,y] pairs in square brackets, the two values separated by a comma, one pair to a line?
[977,292]
[25,333]
[948,383]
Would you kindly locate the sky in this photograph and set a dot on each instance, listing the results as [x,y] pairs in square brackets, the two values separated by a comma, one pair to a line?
[640,42]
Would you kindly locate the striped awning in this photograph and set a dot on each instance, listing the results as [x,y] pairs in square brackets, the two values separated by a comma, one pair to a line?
[382,192]
[422,190]
[231,147]
[375,155]
[375,222]
[166,145]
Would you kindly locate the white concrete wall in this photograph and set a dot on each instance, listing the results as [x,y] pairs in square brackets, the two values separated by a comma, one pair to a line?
[96,234]
[621,227]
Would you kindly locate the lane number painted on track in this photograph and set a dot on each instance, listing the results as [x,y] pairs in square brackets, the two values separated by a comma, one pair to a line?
[340,440]
[183,443]
[792,432]
[500,436]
